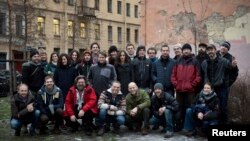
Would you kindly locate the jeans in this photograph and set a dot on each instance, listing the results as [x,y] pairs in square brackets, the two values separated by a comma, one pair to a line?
[222,93]
[166,119]
[189,123]
[17,123]
[104,117]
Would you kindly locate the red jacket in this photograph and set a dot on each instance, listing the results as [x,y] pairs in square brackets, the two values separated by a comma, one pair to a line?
[185,75]
[90,101]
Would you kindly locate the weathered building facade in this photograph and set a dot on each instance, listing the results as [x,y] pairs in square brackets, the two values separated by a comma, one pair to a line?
[195,21]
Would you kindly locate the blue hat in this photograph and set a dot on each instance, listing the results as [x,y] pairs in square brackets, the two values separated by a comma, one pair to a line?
[158,86]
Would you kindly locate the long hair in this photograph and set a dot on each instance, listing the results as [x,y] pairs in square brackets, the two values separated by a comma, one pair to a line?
[118,59]
[59,63]
[51,55]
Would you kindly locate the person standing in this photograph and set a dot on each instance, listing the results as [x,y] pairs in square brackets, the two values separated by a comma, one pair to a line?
[152,52]
[162,70]
[51,66]
[95,49]
[101,74]
[83,68]
[33,73]
[130,48]
[124,71]
[185,78]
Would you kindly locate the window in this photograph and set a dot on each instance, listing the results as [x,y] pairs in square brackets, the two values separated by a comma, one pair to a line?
[3,56]
[57,49]
[97,2]
[71,2]
[56,29]
[57,1]
[19,26]
[97,31]
[85,3]
[110,6]
[41,25]
[128,9]
[119,7]
[110,33]
[136,11]
[70,28]
[136,35]
[119,34]
[128,35]
[82,30]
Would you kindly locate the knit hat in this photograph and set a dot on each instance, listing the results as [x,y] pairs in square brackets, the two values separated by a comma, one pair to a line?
[111,49]
[86,52]
[158,86]
[226,44]
[211,46]
[186,46]
[33,52]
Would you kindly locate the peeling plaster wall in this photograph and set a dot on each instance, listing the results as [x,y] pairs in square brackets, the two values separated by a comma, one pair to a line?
[194,21]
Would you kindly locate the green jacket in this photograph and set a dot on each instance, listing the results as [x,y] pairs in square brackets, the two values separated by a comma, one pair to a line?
[140,100]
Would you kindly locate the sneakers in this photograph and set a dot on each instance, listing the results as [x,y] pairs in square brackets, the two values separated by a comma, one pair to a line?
[169,134]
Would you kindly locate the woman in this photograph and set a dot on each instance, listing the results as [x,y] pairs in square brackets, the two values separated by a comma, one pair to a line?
[51,67]
[74,57]
[124,70]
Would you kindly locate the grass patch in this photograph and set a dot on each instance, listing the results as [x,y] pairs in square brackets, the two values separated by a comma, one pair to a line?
[4,108]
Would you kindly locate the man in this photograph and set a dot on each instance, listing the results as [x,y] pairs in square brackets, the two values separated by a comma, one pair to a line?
[130,48]
[101,74]
[177,51]
[215,71]
[224,52]
[50,101]
[162,70]
[80,103]
[137,103]
[23,110]
[84,67]
[112,105]
[202,54]
[185,78]
[95,49]
[142,69]
[33,72]
[152,52]
[164,107]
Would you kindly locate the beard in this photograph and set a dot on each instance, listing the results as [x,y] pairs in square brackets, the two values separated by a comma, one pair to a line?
[80,87]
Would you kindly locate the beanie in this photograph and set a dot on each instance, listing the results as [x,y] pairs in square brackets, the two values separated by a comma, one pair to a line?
[186,46]
[202,45]
[33,52]
[111,49]
[158,86]
[226,44]
[86,52]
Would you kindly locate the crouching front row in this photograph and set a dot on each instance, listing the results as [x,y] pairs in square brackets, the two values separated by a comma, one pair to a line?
[136,111]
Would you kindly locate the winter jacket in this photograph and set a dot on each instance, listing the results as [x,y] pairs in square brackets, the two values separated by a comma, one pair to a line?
[166,100]
[119,100]
[46,98]
[185,75]
[64,78]
[142,72]
[140,100]
[33,75]
[214,71]
[89,101]
[84,68]
[208,104]
[124,76]
[161,72]
[101,76]
[50,69]
[18,106]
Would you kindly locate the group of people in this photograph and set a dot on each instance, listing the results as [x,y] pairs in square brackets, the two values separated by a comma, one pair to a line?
[125,88]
